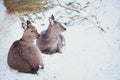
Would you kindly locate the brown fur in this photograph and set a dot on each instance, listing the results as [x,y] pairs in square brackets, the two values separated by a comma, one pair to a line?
[24,55]
[51,40]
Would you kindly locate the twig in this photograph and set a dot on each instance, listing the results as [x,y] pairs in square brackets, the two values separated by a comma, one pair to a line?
[91,3]
[68,7]
[95,24]
[82,18]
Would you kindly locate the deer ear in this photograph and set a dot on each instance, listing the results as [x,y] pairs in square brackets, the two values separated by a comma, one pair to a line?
[51,20]
[28,23]
[23,25]
[52,17]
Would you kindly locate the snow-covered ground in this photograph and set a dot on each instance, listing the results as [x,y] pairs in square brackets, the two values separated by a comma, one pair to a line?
[89,54]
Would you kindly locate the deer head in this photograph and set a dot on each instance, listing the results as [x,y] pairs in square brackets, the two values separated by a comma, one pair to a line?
[57,26]
[30,33]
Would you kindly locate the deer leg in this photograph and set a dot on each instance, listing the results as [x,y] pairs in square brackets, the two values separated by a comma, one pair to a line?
[61,43]
[42,66]
[34,70]
[59,48]
[62,39]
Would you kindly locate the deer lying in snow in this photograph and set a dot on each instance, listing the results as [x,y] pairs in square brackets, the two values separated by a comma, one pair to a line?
[51,40]
[24,55]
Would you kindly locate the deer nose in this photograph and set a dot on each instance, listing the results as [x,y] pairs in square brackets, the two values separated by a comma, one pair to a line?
[38,35]
[65,29]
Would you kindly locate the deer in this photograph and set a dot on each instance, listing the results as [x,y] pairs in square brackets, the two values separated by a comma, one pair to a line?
[23,54]
[51,40]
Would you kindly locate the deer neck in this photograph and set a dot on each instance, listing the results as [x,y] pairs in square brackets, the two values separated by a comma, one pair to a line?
[27,39]
[51,32]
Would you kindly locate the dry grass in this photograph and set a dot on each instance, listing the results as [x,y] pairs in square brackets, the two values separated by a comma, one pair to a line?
[23,6]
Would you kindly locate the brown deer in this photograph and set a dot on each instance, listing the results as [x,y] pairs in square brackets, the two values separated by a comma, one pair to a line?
[24,55]
[51,40]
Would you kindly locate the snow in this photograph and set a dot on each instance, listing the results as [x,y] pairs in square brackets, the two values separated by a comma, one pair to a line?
[2,11]
[89,54]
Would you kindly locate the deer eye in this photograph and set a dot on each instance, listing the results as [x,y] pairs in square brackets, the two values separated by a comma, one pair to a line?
[32,31]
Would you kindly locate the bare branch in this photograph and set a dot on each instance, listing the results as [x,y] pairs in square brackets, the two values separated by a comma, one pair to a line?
[68,7]
[95,24]
[91,18]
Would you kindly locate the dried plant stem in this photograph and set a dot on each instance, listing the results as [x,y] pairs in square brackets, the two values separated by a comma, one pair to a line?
[68,7]
[82,18]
